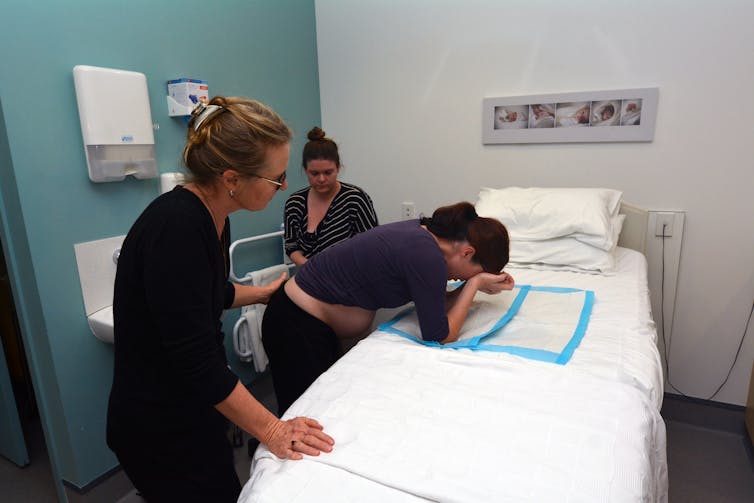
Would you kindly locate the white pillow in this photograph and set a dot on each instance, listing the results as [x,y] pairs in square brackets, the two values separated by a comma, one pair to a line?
[617,225]
[535,213]
[562,253]
[566,253]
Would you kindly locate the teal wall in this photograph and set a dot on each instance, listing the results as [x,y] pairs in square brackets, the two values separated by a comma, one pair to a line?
[264,49]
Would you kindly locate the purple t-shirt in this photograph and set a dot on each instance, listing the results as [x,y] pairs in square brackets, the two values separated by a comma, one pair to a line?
[384,267]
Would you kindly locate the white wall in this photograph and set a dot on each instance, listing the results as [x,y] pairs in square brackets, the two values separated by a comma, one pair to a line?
[402,83]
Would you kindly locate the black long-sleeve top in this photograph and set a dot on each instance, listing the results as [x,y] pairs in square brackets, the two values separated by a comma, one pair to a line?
[170,289]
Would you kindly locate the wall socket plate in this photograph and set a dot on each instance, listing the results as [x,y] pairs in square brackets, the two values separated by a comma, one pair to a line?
[664,219]
[408,210]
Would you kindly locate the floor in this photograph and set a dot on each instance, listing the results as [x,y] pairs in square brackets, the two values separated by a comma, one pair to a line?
[33,483]
[710,455]
[706,464]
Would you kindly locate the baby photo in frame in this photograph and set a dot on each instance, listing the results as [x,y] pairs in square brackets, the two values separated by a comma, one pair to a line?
[590,116]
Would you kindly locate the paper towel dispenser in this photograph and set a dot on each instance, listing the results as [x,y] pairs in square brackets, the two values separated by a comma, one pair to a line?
[116,123]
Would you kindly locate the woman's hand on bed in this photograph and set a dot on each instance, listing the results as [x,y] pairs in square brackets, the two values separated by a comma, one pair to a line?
[295,437]
[493,283]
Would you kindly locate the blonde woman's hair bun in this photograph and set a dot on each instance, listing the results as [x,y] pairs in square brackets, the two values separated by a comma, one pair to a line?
[231,133]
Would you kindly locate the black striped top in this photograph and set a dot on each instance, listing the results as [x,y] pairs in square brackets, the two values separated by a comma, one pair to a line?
[350,212]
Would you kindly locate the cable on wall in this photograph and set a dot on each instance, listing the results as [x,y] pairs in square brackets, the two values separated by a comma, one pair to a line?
[667,342]
[738,351]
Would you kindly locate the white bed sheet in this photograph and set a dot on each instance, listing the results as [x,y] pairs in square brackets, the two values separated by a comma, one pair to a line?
[413,423]
[620,343]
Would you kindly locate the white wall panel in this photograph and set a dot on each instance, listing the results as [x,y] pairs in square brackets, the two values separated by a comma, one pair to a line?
[402,83]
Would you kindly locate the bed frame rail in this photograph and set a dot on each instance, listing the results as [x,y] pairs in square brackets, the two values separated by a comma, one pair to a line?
[634,232]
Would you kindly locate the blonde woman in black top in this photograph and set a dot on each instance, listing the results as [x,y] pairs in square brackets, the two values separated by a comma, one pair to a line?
[328,210]
[172,389]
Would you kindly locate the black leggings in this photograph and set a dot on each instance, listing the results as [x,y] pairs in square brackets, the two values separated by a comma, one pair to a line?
[299,346]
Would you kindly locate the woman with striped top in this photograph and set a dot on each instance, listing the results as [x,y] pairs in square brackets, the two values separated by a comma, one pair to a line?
[328,211]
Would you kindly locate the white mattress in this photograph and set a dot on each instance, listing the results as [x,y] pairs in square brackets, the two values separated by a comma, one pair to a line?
[620,343]
[414,423]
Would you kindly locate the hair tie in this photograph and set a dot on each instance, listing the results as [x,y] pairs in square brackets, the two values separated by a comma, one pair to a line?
[204,112]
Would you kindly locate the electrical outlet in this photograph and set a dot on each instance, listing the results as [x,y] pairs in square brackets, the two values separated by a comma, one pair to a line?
[408,210]
[664,220]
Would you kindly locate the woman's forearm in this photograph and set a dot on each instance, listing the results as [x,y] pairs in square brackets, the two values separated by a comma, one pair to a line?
[459,304]
[243,409]
[247,294]
[289,439]
[451,297]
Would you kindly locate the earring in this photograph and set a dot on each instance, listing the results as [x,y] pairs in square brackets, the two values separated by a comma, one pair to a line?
[231,193]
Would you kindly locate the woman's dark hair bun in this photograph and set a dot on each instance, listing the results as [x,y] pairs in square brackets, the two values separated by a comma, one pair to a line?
[320,147]
[469,212]
[460,222]
[316,134]
[451,222]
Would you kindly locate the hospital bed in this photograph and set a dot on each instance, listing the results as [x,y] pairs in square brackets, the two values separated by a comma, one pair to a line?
[577,421]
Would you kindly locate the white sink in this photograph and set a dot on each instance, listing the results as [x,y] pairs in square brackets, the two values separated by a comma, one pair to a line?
[101,323]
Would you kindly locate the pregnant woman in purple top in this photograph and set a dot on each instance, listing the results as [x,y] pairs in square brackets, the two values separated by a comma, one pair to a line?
[335,295]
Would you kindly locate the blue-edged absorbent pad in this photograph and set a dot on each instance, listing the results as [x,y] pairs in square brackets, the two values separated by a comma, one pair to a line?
[537,322]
